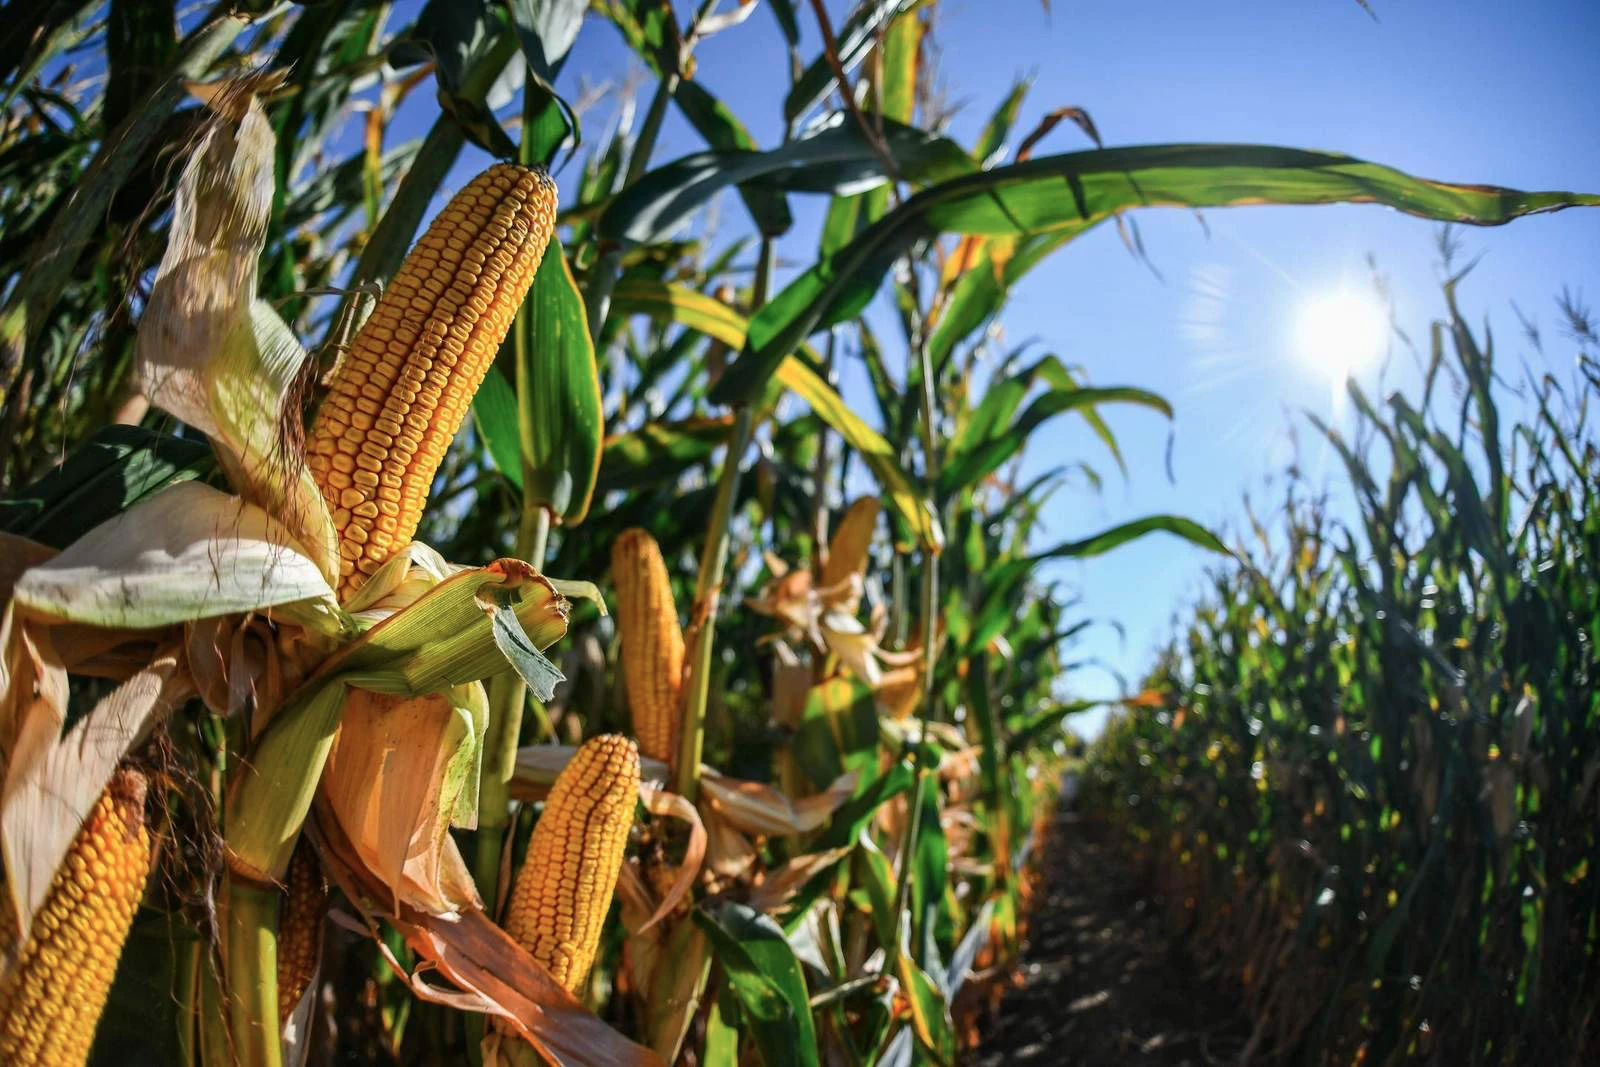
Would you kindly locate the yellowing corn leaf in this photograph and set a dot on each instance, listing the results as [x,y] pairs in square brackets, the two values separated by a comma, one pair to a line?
[671,805]
[729,853]
[846,567]
[754,808]
[778,886]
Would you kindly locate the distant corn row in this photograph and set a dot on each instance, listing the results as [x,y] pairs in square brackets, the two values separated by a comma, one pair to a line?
[1373,792]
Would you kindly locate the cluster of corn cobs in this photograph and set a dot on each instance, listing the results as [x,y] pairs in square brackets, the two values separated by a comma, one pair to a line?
[1371,789]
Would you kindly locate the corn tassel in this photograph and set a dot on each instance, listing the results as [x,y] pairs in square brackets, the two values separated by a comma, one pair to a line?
[652,643]
[564,889]
[401,392]
[305,906]
[52,996]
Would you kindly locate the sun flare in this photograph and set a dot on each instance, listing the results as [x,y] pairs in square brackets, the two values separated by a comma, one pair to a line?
[1341,332]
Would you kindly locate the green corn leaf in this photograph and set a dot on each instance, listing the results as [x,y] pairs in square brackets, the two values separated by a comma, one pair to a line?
[874,872]
[766,979]
[112,471]
[897,94]
[1073,192]
[855,39]
[713,120]
[539,673]
[712,317]
[494,413]
[979,459]
[992,140]
[834,157]
[657,453]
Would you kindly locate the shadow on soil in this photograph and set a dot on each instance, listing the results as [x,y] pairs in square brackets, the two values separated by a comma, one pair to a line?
[1101,981]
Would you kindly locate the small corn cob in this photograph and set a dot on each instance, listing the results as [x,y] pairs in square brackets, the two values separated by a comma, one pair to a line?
[52,997]
[564,889]
[652,643]
[305,906]
[400,393]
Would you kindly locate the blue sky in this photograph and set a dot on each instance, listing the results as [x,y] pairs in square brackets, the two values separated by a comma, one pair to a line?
[1471,90]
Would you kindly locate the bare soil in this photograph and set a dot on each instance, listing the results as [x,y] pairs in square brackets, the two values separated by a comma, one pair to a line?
[1102,980]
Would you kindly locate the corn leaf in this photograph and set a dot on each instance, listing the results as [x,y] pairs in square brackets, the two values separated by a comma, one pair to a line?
[878,453]
[118,467]
[539,673]
[494,413]
[897,91]
[992,139]
[834,157]
[1073,192]
[766,979]
[978,459]
[710,316]
[676,989]
[28,309]
[930,1014]
[855,39]
[714,121]
[1001,581]
[657,452]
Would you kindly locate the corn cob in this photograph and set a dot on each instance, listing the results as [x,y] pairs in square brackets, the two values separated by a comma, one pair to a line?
[652,643]
[564,889]
[52,997]
[400,393]
[305,905]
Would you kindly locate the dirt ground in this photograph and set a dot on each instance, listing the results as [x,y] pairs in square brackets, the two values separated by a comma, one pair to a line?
[1102,981]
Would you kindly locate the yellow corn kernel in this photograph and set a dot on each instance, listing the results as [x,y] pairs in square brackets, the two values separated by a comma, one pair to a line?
[652,643]
[305,906]
[564,889]
[52,996]
[401,391]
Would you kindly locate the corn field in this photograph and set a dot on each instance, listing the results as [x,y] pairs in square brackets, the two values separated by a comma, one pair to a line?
[451,613]
[1366,774]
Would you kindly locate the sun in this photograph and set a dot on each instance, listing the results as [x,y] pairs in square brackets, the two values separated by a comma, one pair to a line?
[1342,331]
